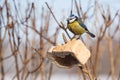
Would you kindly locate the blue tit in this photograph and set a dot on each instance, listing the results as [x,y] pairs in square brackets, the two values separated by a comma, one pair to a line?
[77,27]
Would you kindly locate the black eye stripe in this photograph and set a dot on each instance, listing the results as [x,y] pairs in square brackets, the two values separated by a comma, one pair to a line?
[72,18]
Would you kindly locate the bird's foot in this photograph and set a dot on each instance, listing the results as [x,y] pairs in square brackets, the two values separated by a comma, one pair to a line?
[76,37]
[73,37]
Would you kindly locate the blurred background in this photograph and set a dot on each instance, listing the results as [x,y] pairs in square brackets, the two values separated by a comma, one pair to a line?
[28,30]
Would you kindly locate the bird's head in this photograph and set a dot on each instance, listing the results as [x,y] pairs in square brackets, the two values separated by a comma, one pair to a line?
[71,18]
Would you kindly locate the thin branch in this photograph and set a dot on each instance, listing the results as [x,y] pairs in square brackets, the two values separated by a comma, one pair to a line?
[62,25]
[52,14]
[50,72]
[77,8]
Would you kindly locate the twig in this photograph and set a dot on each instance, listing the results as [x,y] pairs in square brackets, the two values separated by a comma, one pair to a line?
[52,14]
[83,73]
[62,25]
[50,72]
[39,64]
[77,7]
[71,7]
[64,38]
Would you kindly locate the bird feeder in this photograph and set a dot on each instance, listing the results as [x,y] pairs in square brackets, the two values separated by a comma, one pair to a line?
[73,53]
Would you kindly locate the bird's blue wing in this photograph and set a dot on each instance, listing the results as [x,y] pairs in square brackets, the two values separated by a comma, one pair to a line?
[83,25]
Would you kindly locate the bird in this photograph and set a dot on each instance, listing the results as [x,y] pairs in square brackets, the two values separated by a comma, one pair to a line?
[76,26]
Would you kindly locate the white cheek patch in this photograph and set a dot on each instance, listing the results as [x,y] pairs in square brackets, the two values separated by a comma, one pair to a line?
[72,20]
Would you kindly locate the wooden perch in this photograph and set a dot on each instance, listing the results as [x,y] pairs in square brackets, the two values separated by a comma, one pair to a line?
[73,53]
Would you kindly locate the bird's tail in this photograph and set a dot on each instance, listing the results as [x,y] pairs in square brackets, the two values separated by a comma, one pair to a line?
[91,34]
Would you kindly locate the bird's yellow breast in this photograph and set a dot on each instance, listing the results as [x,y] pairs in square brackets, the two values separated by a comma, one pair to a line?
[76,28]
